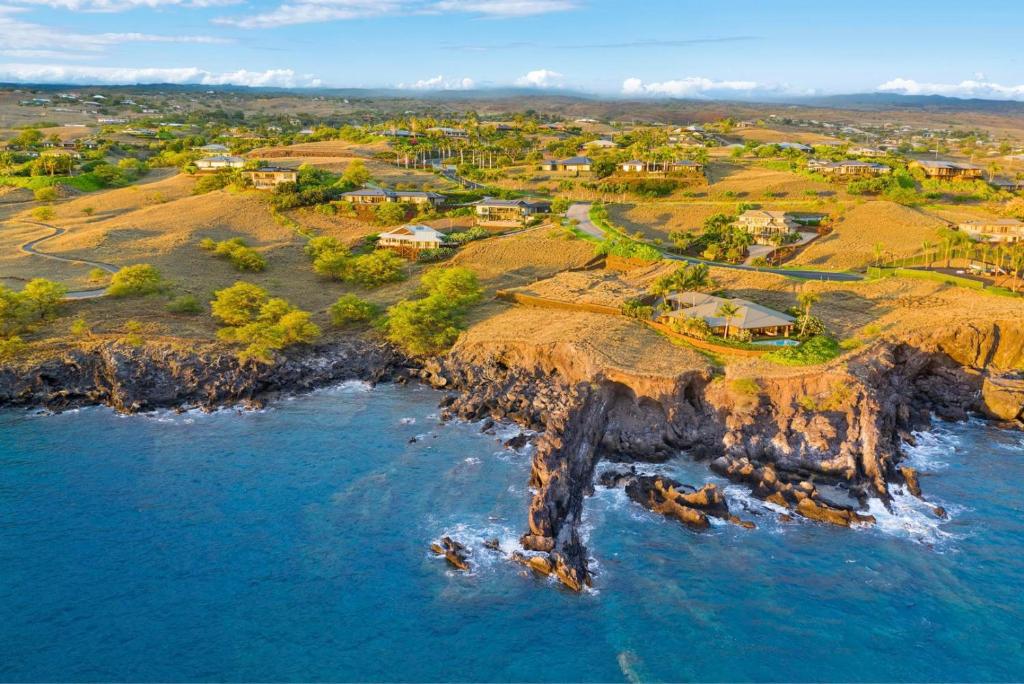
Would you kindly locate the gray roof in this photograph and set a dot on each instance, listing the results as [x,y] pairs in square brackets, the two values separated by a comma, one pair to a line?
[936,164]
[575,161]
[384,192]
[749,316]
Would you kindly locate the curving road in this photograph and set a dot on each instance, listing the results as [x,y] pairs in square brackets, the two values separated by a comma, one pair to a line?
[30,248]
[580,211]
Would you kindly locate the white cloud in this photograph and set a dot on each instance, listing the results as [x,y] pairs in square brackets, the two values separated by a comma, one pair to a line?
[24,39]
[439,82]
[540,78]
[971,88]
[505,8]
[310,11]
[53,73]
[121,5]
[691,86]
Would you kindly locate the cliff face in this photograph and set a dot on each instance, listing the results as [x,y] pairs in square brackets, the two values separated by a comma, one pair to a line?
[152,376]
[842,425]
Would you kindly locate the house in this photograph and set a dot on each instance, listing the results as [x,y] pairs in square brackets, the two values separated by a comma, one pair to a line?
[946,170]
[213,148]
[218,162]
[1009,184]
[799,147]
[849,167]
[269,177]
[412,238]
[765,225]
[572,164]
[681,166]
[994,230]
[759,321]
[381,195]
[866,152]
[600,144]
[502,212]
[448,132]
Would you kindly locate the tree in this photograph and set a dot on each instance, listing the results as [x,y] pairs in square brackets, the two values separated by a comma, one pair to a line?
[377,268]
[432,323]
[261,323]
[806,300]
[351,309]
[333,264]
[389,214]
[728,311]
[356,174]
[239,304]
[44,297]
[322,244]
[135,280]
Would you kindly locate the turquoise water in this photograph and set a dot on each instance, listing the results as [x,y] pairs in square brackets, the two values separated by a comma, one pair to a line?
[777,343]
[291,544]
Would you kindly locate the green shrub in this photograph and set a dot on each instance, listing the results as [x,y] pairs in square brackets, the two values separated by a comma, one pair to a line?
[816,350]
[321,244]
[389,214]
[635,308]
[238,252]
[629,249]
[135,281]
[434,254]
[259,322]
[11,347]
[432,323]
[351,309]
[377,268]
[184,304]
[47,194]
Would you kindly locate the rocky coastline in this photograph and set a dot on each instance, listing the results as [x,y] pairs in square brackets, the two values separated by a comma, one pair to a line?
[789,438]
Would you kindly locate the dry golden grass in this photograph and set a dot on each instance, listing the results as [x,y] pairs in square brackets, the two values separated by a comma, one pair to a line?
[750,182]
[523,258]
[900,229]
[771,135]
[605,288]
[586,343]
[657,219]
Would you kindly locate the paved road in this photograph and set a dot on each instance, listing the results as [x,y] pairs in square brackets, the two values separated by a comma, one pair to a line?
[580,211]
[30,248]
[464,182]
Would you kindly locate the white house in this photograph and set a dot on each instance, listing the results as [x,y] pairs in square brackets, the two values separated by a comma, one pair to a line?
[218,162]
[413,237]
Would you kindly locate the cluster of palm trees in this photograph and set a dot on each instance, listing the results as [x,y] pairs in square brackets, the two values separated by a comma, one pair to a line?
[1005,257]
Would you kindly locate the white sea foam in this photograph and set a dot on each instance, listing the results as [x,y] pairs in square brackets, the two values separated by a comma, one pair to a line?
[482,559]
[932,450]
[408,420]
[913,519]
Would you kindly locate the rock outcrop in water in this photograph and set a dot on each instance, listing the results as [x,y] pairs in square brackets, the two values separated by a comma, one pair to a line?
[782,436]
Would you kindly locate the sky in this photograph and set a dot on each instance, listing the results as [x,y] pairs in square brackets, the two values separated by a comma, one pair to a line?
[635,48]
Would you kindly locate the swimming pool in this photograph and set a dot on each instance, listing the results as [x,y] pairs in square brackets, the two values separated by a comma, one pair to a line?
[782,342]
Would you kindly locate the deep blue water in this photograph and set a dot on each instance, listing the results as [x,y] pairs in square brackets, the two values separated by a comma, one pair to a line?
[291,544]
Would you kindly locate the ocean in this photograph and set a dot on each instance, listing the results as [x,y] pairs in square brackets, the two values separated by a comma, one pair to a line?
[292,544]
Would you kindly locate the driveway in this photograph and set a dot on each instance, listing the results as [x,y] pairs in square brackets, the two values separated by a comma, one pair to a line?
[581,212]
[30,248]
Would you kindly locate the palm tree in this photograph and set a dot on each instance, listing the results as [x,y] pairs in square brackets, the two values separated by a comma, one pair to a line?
[728,311]
[806,300]
[927,246]
[879,251]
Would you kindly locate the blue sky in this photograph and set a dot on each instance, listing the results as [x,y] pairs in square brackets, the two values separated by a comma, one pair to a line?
[669,48]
